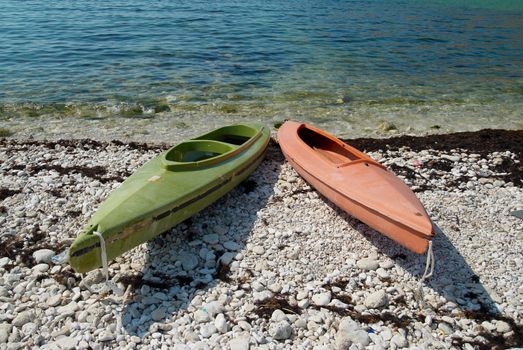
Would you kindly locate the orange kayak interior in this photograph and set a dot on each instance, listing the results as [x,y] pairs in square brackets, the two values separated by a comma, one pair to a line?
[358,184]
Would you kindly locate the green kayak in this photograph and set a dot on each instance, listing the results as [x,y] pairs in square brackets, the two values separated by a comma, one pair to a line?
[169,189]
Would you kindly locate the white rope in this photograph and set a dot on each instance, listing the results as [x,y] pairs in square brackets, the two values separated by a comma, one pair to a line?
[103,255]
[428,264]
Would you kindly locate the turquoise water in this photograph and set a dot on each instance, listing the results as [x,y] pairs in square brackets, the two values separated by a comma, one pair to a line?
[337,63]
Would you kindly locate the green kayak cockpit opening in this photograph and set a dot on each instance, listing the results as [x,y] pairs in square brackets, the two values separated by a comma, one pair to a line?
[232,134]
[210,148]
[197,150]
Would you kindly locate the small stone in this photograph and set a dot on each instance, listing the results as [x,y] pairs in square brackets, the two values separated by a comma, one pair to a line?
[221,323]
[338,304]
[66,343]
[207,330]
[211,238]
[41,268]
[4,261]
[275,288]
[106,336]
[43,255]
[231,245]
[5,330]
[343,342]
[322,299]
[213,308]
[367,264]
[445,328]
[54,300]
[23,318]
[302,295]
[258,249]
[387,264]
[281,330]
[227,258]
[68,310]
[278,315]
[304,303]
[240,343]
[382,274]
[376,300]
[399,340]
[189,261]
[503,327]
[359,337]
[158,314]
[201,316]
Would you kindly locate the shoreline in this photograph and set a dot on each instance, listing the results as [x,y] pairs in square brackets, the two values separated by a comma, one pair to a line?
[300,273]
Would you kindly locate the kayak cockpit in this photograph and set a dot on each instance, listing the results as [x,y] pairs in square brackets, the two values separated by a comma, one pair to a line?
[211,148]
[326,147]
[232,134]
[338,154]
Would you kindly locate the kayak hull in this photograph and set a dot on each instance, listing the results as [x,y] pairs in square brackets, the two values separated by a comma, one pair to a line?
[359,186]
[166,191]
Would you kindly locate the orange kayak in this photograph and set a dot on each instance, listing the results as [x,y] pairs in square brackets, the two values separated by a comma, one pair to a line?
[358,184]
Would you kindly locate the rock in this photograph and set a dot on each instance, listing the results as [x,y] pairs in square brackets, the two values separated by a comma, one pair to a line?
[213,308]
[93,277]
[158,314]
[66,343]
[278,316]
[54,300]
[342,342]
[386,126]
[359,337]
[201,316]
[189,261]
[41,268]
[68,310]
[231,245]
[211,238]
[399,340]
[4,292]
[376,300]
[322,299]
[23,318]
[281,330]
[106,336]
[367,264]
[4,261]
[5,330]
[43,255]
[227,258]
[258,249]
[338,304]
[502,327]
[304,303]
[207,330]
[240,343]
[445,328]
[221,323]
[382,274]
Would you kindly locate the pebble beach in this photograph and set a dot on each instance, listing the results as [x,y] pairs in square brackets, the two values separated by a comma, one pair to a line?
[271,265]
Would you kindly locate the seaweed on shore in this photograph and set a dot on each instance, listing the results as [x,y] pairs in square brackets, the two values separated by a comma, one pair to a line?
[6,192]
[95,172]
[23,246]
[264,309]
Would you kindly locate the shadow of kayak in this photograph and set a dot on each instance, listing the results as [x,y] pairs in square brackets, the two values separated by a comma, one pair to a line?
[184,263]
[453,278]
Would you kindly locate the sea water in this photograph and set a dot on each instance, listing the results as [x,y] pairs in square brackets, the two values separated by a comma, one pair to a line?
[153,68]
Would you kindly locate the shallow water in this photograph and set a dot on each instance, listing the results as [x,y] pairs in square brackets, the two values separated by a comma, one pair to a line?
[353,67]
